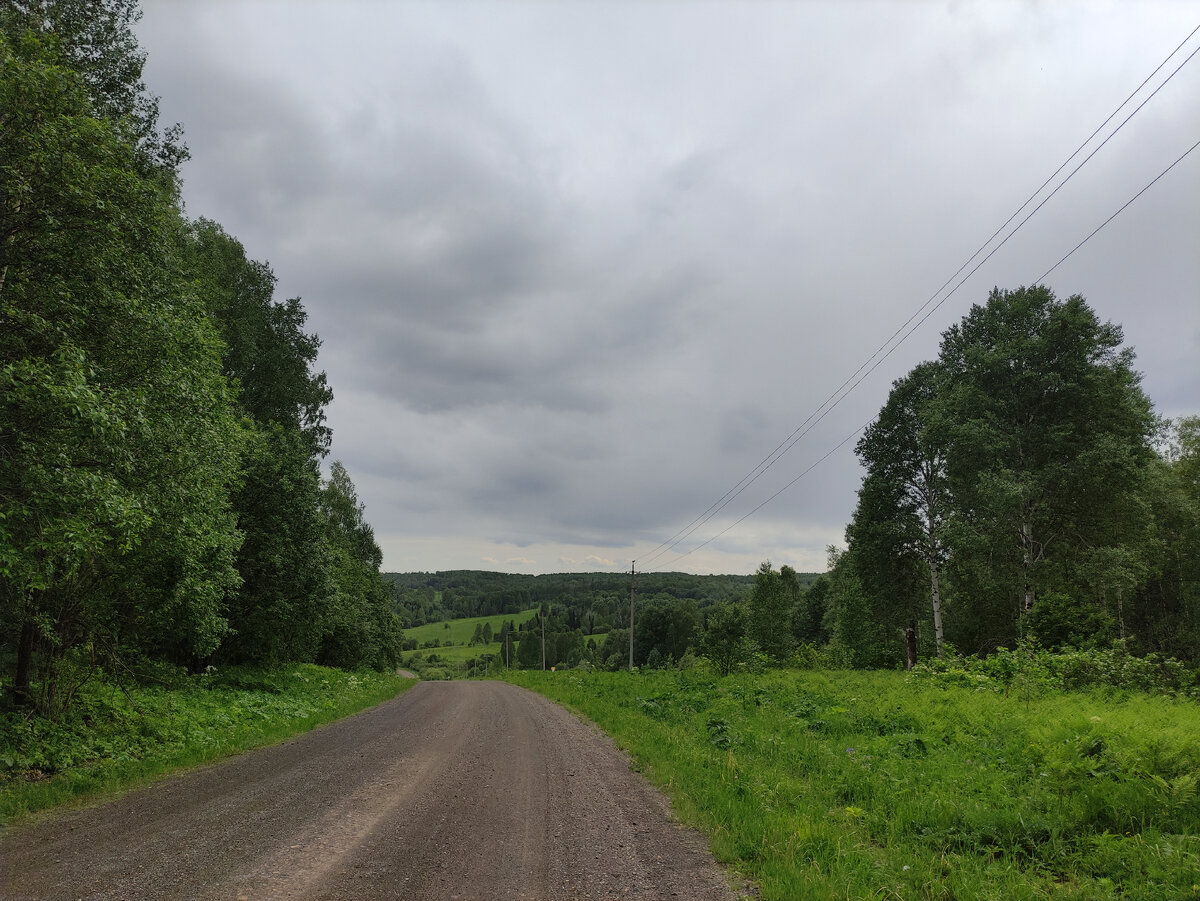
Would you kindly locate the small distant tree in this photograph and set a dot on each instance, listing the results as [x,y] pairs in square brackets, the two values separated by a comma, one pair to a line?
[529,651]
[771,613]
[487,633]
[725,640]
[477,638]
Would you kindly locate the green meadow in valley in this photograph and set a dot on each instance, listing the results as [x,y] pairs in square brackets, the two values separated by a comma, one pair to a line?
[460,631]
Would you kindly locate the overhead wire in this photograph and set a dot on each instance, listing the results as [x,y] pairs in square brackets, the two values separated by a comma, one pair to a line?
[1125,205]
[861,428]
[891,344]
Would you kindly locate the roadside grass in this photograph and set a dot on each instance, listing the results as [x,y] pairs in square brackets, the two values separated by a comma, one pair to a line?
[877,785]
[115,739]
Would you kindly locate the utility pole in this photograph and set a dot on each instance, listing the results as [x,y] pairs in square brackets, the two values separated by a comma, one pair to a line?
[543,612]
[632,567]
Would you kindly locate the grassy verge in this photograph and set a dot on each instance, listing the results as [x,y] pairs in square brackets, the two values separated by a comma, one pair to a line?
[115,739]
[875,785]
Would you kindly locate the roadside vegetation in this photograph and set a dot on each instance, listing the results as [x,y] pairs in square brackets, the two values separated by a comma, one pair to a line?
[949,783]
[120,736]
[176,551]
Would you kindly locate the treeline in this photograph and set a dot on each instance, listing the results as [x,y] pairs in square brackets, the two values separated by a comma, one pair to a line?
[1021,487]
[583,618]
[1020,491]
[161,418]
[599,600]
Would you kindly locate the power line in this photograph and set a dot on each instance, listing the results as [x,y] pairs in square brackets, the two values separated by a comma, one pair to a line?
[884,351]
[1147,187]
[838,394]
[833,450]
[841,443]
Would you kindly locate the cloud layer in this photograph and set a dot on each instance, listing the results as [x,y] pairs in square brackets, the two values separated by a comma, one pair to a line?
[578,268]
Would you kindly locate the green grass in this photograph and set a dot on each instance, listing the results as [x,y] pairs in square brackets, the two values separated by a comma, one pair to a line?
[114,739]
[453,661]
[875,785]
[460,631]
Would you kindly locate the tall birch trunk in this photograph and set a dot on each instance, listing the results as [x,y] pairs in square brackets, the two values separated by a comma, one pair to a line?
[936,593]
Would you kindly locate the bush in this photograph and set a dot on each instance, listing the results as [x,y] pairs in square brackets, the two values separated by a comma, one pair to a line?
[1032,668]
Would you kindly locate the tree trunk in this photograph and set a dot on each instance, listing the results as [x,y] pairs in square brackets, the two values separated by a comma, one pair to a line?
[910,639]
[1027,564]
[931,557]
[936,594]
[22,695]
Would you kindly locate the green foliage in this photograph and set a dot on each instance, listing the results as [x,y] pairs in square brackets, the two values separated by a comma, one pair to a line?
[726,641]
[360,628]
[117,736]
[770,609]
[96,41]
[1016,478]
[1048,435]
[599,601]
[1033,668]
[296,570]
[898,530]
[118,431]
[458,632]
[161,417]
[874,785]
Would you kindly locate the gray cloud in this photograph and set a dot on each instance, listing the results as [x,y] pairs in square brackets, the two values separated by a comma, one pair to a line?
[579,268]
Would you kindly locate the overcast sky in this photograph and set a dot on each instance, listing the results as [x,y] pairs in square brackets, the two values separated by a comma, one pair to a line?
[579,267]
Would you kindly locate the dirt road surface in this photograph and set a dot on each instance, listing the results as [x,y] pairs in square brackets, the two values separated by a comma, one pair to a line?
[455,790]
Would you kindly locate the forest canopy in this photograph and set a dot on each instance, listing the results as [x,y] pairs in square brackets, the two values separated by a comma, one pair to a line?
[161,415]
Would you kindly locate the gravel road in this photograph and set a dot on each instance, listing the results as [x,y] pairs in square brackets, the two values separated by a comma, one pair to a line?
[455,790]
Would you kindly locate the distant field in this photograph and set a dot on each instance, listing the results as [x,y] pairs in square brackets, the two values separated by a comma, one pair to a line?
[460,631]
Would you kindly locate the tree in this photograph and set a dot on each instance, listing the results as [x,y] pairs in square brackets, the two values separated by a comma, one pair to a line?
[117,433]
[770,614]
[726,641]
[286,560]
[858,635]
[808,617]
[904,500]
[1048,436]
[359,626]
[529,650]
[1163,613]
[95,39]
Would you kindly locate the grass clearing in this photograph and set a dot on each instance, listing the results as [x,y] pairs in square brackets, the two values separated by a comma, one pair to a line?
[875,785]
[460,631]
[114,739]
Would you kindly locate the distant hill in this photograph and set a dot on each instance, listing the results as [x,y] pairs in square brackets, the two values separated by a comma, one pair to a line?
[453,594]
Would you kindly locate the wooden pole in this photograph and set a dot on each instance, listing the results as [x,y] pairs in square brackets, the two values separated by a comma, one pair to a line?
[632,567]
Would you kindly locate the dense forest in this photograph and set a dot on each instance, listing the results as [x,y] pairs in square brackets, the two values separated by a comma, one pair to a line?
[162,421]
